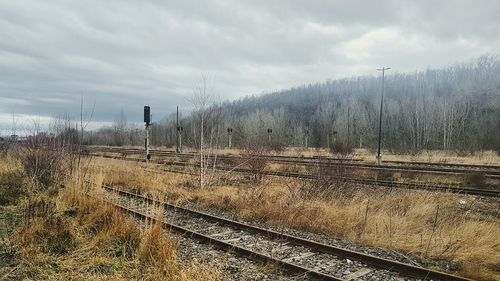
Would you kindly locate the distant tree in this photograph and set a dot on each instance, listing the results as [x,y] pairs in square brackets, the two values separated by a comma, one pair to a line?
[119,128]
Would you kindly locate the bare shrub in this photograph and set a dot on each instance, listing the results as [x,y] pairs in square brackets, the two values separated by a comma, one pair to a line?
[255,156]
[43,160]
[339,147]
[328,181]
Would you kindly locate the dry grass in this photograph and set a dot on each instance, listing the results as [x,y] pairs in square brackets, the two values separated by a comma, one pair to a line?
[429,226]
[68,235]
[433,156]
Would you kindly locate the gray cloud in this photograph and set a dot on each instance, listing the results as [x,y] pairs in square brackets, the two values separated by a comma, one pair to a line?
[124,54]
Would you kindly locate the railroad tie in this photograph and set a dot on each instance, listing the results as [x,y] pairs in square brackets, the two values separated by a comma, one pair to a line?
[281,249]
[241,238]
[299,257]
[221,233]
[357,274]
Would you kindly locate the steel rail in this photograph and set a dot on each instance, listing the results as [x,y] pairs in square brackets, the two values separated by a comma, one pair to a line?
[259,257]
[489,171]
[308,158]
[378,262]
[382,183]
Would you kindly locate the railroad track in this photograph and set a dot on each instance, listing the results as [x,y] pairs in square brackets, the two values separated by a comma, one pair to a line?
[294,254]
[370,182]
[488,171]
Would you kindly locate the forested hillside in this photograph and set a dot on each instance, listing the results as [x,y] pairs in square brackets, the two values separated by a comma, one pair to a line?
[453,108]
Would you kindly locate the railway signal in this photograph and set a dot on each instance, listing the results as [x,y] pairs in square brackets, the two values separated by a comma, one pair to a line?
[269,132]
[147,121]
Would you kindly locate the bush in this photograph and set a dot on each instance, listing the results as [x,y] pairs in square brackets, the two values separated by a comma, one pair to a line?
[43,161]
[255,156]
[327,181]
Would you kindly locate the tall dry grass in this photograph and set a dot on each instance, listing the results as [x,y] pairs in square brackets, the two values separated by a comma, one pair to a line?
[434,156]
[115,235]
[432,227]
[69,234]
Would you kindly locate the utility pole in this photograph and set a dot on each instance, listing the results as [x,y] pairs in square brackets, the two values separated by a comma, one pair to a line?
[379,157]
[180,138]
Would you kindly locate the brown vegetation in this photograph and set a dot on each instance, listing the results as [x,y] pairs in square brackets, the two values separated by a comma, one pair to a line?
[255,157]
[68,234]
[434,228]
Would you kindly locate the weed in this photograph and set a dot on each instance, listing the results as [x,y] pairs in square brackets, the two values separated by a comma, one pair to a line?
[121,238]
[158,250]
[50,235]
[11,184]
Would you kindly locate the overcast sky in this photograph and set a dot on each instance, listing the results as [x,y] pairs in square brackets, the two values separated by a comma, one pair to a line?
[125,54]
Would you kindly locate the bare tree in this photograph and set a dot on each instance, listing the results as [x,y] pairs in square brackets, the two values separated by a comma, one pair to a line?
[452,108]
[119,128]
[255,156]
[201,100]
[84,122]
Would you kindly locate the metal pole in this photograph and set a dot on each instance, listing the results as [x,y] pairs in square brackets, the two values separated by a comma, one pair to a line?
[147,142]
[180,142]
[379,157]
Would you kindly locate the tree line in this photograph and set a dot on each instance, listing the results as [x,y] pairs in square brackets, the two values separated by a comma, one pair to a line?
[453,108]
